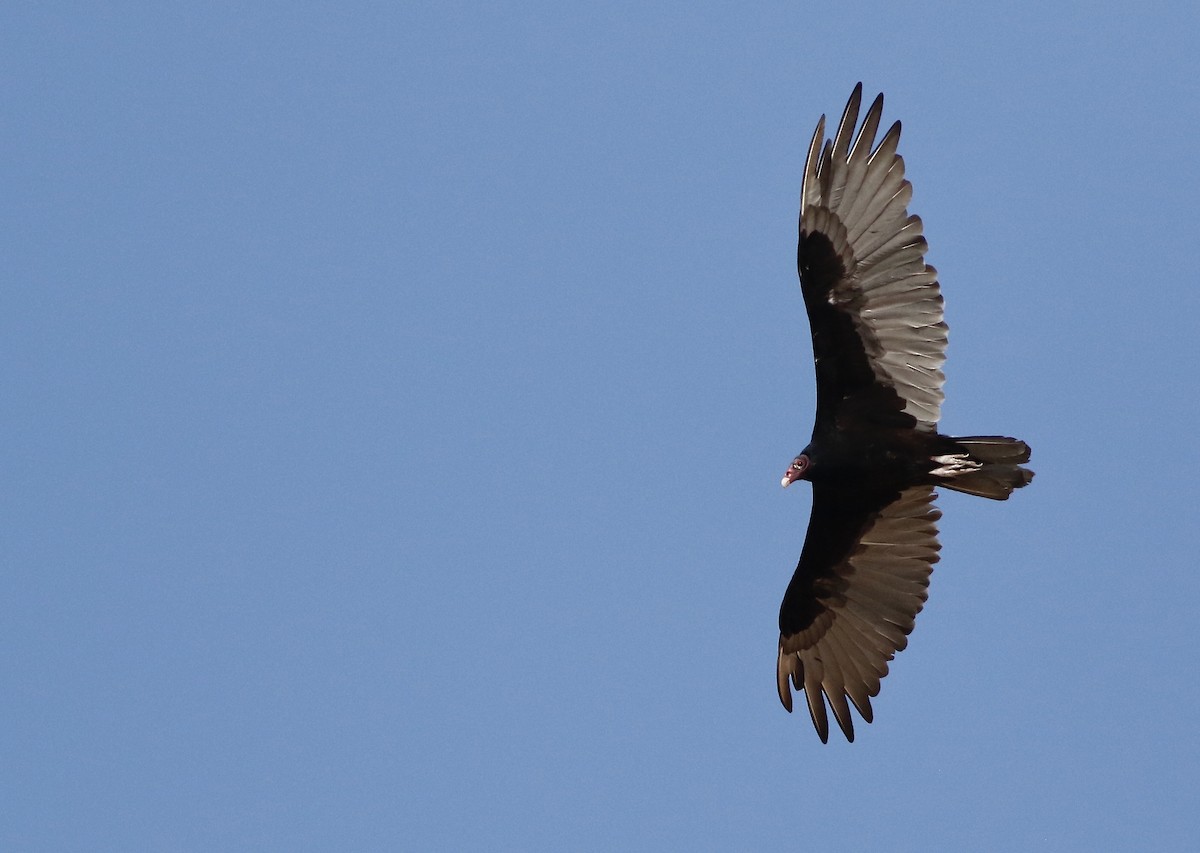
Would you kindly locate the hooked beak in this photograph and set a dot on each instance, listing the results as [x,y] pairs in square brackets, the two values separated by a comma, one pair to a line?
[790,476]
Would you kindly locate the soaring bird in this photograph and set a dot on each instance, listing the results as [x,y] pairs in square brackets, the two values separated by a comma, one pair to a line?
[875,311]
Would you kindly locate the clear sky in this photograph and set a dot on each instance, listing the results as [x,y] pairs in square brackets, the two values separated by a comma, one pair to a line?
[395,397]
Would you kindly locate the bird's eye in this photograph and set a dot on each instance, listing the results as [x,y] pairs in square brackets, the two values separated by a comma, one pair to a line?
[797,465]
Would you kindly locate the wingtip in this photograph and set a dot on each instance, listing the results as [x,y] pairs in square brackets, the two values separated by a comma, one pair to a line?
[782,674]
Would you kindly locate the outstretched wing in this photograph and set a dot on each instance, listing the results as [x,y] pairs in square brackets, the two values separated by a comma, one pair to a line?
[863,577]
[873,304]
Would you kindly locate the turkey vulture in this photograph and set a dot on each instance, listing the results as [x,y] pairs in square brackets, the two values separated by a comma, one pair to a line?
[875,312]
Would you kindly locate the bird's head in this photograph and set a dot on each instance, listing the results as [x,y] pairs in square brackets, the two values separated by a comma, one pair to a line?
[798,470]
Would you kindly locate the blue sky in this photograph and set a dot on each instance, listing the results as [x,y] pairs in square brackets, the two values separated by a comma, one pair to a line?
[396,397]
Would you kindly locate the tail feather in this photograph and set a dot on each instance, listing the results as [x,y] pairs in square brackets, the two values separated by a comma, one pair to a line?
[996,470]
[994,448]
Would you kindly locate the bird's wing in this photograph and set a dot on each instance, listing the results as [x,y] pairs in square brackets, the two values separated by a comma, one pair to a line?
[873,304]
[863,577]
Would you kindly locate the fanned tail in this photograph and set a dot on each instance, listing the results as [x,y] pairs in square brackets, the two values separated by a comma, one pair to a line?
[985,465]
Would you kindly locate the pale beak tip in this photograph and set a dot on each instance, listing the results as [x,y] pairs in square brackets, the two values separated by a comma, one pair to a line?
[785,482]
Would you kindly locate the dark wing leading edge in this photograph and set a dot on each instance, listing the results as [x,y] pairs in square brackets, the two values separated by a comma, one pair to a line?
[862,579]
[873,304]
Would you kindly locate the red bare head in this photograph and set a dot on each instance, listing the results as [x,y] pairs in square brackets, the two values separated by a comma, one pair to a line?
[798,470]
